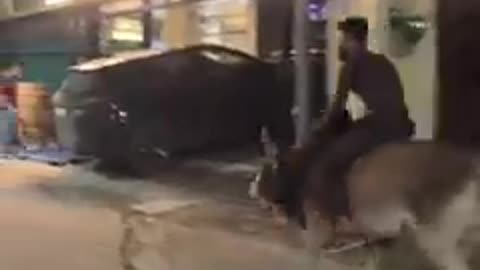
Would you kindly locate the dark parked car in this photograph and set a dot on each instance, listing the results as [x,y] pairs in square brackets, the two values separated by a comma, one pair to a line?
[203,98]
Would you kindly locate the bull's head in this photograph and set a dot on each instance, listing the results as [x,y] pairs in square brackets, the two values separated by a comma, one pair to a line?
[263,188]
[264,180]
[278,186]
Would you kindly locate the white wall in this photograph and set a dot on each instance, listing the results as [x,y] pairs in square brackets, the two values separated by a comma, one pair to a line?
[6,8]
[418,75]
[418,70]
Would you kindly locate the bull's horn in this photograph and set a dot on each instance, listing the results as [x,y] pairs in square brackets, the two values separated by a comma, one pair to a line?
[161,152]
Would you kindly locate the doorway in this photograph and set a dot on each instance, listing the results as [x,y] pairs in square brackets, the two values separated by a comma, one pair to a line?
[459,72]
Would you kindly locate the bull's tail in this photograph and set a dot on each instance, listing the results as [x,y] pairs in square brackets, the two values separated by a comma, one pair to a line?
[475,174]
[476,166]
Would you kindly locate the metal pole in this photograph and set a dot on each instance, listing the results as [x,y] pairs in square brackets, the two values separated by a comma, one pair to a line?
[302,70]
[147,21]
[332,47]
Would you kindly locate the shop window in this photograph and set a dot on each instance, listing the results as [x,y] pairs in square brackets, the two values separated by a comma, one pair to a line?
[158,21]
[121,6]
[224,22]
[176,24]
[127,29]
[56,2]
[22,6]
[122,33]
[27,6]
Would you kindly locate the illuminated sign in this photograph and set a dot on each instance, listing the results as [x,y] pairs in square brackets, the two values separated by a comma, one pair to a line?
[127,29]
[317,11]
[56,2]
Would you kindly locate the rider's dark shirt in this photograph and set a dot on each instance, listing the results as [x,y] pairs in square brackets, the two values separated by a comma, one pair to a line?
[375,79]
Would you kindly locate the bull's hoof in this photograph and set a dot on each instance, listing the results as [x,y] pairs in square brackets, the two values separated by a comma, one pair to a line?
[344,244]
[279,216]
[346,226]
[116,170]
[281,221]
[264,205]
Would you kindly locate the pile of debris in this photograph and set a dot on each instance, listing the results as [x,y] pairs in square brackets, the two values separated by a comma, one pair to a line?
[27,125]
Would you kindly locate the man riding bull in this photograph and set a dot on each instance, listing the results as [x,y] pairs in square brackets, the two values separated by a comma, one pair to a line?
[375,80]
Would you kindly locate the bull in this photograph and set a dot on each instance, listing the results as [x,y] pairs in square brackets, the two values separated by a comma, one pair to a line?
[428,186]
[179,103]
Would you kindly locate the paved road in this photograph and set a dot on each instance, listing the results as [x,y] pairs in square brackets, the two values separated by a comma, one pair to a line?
[41,233]
[69,218]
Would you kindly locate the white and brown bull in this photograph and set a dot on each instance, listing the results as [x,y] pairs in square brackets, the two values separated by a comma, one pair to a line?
[430,187]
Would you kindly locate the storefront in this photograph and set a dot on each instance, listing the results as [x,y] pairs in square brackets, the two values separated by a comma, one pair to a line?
[175,24]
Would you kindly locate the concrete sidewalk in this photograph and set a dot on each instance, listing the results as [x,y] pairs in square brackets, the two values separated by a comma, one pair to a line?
[213,235]
[71,218]
[39,233]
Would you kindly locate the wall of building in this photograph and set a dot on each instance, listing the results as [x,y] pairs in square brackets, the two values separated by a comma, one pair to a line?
[178,28]
[230,23]
[273,27]
[459,80]
[6,8]
[418,70]
[49,42]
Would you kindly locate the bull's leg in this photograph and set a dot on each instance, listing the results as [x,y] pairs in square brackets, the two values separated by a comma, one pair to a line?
[264,204]
[441,248]
[279,215]
[319,231]
[347,235]
[345,225]
[383,221]
[440,240]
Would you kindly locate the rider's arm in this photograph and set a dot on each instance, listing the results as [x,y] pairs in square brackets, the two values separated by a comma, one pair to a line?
[337,107]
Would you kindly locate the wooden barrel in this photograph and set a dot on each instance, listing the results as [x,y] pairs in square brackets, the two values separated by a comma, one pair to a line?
[35,114]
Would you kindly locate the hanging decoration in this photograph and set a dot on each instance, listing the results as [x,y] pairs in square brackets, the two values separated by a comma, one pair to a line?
[411,27]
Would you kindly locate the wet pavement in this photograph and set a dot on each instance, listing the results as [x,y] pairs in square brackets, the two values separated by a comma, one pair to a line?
[196,217]
[71,218]
[39,233]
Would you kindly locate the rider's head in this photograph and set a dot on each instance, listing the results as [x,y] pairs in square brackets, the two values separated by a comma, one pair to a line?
[354,37]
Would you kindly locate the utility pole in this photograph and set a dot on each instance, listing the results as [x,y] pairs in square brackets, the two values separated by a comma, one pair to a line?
[147,22]
[302,71]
